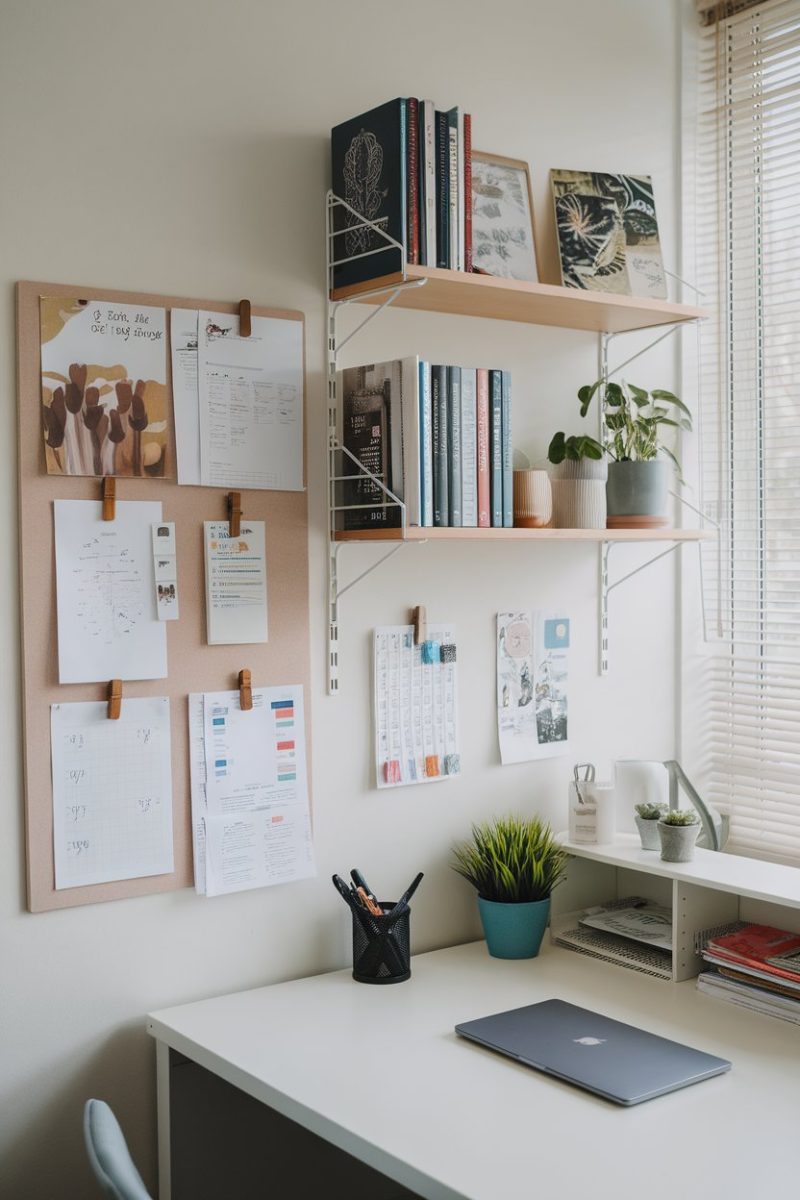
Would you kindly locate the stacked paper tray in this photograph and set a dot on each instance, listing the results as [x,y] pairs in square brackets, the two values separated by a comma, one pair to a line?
[637,956]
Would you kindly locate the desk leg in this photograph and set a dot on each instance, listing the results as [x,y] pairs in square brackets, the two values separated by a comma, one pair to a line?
[162,1105]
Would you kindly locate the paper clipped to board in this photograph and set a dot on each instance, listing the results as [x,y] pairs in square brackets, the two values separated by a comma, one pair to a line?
[238,401]
[108,626]
[105,402]
[416,705]
[112,791]
[251,820]
[236,583]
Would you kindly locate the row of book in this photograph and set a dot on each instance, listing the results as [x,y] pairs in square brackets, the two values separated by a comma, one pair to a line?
[407,166]
[437,438]
[757,967]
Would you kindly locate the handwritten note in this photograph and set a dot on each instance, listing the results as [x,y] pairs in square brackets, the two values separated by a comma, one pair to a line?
[108,627]
[112,792]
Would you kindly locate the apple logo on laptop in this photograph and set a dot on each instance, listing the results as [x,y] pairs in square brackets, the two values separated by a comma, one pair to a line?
[589,1041]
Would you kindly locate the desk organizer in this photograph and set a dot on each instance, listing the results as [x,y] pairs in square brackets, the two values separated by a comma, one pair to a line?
[382,945]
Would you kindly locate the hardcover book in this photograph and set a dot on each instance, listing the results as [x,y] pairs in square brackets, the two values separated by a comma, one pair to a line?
[427,131]
[373,434]
[469,447]
[496,447]
[442,190]
[368,172]
[507,453]
[484,473]
[441,501]
[426,443]
[454,445]
[412,181]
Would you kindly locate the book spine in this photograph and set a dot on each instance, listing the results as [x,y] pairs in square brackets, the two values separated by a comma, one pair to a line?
[452,130]
[454,445]
[442,191]
[412,481]
[461,193]
[428,126]
[412,139]
[496,446]
[441,503]
[426,443]
[508,450]
[469,444]
[482,422]
[404,175]
[467,192]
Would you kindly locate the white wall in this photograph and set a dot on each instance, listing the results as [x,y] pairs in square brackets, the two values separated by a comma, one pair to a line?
[181,147]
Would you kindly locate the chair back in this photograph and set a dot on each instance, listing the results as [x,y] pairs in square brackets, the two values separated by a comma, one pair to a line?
[109,1155]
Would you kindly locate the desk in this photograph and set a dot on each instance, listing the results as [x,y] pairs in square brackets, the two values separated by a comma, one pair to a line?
[379,1073]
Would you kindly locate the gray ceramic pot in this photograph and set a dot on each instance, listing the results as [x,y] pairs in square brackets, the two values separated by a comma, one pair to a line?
[648,832]
[677,841]
[637,489]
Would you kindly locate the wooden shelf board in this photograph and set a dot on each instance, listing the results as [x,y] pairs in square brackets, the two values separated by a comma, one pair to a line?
[415,533]
[470,295]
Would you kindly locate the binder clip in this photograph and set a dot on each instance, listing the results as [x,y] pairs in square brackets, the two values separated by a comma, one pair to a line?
[234,513]
[245,691]
[114,699]
[244,318]
[420,622]
[109,498]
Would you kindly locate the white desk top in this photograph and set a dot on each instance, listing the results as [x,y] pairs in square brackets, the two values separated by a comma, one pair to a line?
[379,1072]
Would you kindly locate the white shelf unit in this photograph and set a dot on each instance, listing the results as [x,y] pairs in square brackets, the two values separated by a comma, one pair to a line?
[714,889]
[429,289]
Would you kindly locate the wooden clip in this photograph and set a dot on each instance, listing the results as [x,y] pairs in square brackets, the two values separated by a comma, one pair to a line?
[244,318]
[234,513]
[245,691]
[420,623]
[114,699]
[109,498]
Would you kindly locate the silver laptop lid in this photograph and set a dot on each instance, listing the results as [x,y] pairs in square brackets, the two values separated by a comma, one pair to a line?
[612,1059]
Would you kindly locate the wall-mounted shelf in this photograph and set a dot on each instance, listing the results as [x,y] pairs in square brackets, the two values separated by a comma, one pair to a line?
[470,295]
[432,289]
[414,533]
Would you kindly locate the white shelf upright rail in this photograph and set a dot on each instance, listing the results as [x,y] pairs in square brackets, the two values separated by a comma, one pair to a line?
[342,466]
[606,585]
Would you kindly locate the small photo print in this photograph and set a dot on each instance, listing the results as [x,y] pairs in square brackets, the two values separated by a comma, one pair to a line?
[502,218]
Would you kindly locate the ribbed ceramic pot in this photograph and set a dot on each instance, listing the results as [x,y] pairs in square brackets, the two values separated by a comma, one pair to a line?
[513,930]
[533,499]
[637,489]
[677,841]
[648,832]
[579,494]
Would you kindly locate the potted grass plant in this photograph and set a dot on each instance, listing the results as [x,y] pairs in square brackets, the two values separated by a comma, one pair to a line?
[678,830]
[647,815]
[578,481]
[513,863]
[635,421]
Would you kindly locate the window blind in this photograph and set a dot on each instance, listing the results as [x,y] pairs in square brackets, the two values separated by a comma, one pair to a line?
[747,230]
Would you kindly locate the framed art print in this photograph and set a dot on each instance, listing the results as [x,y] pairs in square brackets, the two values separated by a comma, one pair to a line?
[502,217]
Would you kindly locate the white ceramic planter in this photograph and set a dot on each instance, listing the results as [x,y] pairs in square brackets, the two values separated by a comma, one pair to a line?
[648,832]
[579,494]
[677,841]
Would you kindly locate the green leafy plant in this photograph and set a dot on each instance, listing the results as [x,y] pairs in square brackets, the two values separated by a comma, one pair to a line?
[573,449]
[681,816]
[649,810]
[634,419]
[512,860]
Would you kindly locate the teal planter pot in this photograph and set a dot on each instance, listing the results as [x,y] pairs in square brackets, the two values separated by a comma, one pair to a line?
[513,930]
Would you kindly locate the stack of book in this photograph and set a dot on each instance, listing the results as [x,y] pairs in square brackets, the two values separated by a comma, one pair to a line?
[437,438]
[407,168]
[757,967]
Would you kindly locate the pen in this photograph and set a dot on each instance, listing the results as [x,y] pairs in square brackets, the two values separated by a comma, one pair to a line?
[409,892]
[343,890]
[359,880]
[369,902]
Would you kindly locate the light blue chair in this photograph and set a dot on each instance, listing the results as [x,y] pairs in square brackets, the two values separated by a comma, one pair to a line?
[109,1155]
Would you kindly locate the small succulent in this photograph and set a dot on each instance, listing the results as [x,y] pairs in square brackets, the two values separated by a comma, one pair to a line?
[650,810]
[681,816]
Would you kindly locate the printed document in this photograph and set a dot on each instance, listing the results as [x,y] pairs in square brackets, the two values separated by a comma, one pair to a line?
[108,626]
[112,791]
[183,334]
[416,705]
[236,583]
[250,400]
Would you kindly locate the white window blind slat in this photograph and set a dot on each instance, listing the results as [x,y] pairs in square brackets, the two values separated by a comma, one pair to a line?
[747,236]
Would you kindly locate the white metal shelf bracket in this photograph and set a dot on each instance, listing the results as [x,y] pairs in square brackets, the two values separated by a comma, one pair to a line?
[607,587]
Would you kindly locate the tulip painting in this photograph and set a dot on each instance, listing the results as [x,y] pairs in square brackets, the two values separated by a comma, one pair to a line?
[105,408]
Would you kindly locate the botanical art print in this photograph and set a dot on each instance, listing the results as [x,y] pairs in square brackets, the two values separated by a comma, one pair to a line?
[502,220]
[105,409]
[608,233]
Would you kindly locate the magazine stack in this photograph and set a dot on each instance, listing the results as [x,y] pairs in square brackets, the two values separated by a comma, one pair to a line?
[757,967]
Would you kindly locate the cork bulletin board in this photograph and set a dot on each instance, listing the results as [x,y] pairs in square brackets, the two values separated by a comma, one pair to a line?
[193,665]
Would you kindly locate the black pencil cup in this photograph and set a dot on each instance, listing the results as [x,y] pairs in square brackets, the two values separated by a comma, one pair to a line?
[382,945]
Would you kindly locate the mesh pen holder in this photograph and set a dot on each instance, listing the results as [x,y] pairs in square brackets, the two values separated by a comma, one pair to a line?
[382,945]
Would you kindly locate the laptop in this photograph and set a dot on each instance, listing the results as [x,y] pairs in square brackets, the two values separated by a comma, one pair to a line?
[611,1059]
